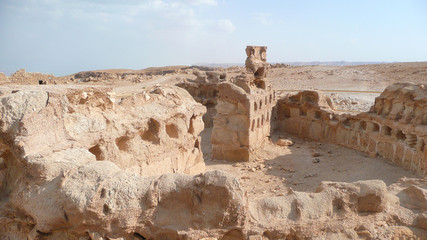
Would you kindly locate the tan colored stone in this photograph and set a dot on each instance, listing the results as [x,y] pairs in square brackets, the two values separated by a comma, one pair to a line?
[394,128]
[284,142]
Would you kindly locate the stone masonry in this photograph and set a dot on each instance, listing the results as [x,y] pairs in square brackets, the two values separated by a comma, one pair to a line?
[204,90]
[395,128]
[244,110]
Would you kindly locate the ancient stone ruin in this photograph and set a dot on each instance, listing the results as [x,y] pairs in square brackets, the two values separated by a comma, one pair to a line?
[244,110]
[95,163]
[23,77]
[204,90]
[3,77]
[395,127]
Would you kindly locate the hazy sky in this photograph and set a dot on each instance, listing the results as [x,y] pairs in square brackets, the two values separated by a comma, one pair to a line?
[67,36]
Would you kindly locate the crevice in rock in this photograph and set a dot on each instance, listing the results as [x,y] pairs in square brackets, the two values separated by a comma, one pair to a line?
[151,134]
[96,150]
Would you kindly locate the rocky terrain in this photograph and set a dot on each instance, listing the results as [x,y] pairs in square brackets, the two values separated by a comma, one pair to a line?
[373,77]
[123,154]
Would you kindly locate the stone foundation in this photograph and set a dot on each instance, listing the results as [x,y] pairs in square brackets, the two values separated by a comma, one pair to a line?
[395,128]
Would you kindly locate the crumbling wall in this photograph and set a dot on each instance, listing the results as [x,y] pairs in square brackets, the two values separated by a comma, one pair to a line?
[204,90]
[395,127]
[3,77]
[23,77]
[151,132]
[105,77]
[244,110]
[230,133]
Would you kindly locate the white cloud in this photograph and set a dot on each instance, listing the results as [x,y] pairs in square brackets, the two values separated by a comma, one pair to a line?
[203,2]
[169,20]
[226,25]
[164,19]
[264,18]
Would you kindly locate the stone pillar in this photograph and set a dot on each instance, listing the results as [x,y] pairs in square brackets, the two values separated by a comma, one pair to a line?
[244,110]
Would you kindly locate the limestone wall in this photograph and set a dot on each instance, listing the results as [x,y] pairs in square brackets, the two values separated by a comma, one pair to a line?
[230,133]
[3,77]
[23,77]
[244,110]
[204,90]
[152,132]
[260,116]
[395,128]
[242,122]
[206,95]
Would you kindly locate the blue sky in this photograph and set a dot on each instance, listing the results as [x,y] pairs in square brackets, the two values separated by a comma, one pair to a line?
[64,37]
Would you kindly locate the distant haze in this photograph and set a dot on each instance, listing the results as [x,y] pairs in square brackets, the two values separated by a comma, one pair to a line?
[63,37]
[334,63]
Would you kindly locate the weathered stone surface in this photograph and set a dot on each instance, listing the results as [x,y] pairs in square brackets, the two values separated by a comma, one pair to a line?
[395,127]
[204,90]
[84,163]
[23,77]
[256,60]
[134,133]
[98,199]
[244,110]
[16,106]
[3,77]
[284,142]
[412,193]
[209,77]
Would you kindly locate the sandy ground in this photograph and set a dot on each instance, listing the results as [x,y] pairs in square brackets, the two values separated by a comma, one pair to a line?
[278,169]
[374,77]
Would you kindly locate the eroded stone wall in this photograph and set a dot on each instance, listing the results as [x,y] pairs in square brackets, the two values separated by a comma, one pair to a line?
[3,77]
[151,132]
[395,127]
[244,110]
[204,90]
[23,77]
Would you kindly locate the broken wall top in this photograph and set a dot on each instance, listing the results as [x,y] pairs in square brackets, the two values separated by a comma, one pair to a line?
[403,102]
[312,99]
[208,77]
[406,91]
[256,61]
[254,80]
[132,130]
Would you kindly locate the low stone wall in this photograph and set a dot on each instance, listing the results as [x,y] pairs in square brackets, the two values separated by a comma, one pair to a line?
[204,93]
[242,121]
[23,77]
[244,110]
[3,77]
[152,132]
[395,128]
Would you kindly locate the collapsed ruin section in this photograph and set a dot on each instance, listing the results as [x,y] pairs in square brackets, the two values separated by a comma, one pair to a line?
[244,110]
[395,128]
